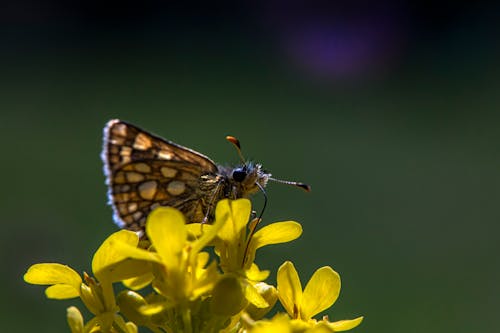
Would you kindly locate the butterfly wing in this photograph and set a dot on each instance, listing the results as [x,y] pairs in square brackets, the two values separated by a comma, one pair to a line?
[144,171]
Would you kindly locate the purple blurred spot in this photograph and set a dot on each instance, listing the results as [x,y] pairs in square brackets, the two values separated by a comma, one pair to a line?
[338,42]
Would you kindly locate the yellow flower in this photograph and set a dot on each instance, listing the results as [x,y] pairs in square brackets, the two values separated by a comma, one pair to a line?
[180,268]
[236,248]
[192,293]
[97,294]
[320,293]
[233,245]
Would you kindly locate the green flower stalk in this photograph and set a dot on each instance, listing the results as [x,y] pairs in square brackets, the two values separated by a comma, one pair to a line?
[177,284]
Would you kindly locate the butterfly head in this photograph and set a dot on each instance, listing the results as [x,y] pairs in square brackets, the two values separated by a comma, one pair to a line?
[250,178]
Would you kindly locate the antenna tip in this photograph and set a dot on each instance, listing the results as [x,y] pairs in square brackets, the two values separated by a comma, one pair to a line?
[234,141]
[305,187]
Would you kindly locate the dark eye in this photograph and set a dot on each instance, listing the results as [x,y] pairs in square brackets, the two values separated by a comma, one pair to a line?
[239,174]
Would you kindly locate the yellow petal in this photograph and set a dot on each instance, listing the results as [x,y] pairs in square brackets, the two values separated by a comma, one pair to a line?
[75,319]
[131,327]
[155,308]
[279,232]
[345,325]
[255,274]
[62,291]
[205,276]
[289,288]
[209,234]
[320,293]
[166,228]
[253,296]
[107,255]
[114,260]
[275,233]
[237,213]
[201,259]
[139,282]
[132,252]
[195,230]
[50,273]
[270,295]
[126,269]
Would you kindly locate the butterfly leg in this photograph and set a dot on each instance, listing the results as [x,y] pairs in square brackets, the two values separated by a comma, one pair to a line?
[213,200]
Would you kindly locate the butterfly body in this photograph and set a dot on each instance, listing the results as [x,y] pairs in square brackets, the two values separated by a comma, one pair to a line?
[144,171]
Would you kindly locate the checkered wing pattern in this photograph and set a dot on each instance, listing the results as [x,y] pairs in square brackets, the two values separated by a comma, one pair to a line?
[145,171]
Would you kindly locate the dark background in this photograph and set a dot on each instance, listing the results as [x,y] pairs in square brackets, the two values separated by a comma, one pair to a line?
[389,111]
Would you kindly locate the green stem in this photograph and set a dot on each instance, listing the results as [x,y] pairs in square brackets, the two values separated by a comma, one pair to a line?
[186,319]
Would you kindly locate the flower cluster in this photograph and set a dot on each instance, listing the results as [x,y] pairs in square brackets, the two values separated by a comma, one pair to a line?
[194,278]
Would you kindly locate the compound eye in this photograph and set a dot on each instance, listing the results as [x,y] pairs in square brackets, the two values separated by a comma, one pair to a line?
[239,174]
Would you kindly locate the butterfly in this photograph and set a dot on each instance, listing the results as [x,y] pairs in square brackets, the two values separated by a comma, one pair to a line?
[144,171]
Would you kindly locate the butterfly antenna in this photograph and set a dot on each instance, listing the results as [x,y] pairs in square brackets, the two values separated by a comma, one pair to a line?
[303,186]
[254,226]
[236,143]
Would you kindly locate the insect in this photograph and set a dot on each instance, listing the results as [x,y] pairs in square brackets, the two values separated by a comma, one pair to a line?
[144,171]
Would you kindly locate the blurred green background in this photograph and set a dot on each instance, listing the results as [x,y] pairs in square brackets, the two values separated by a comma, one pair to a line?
[390,112]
